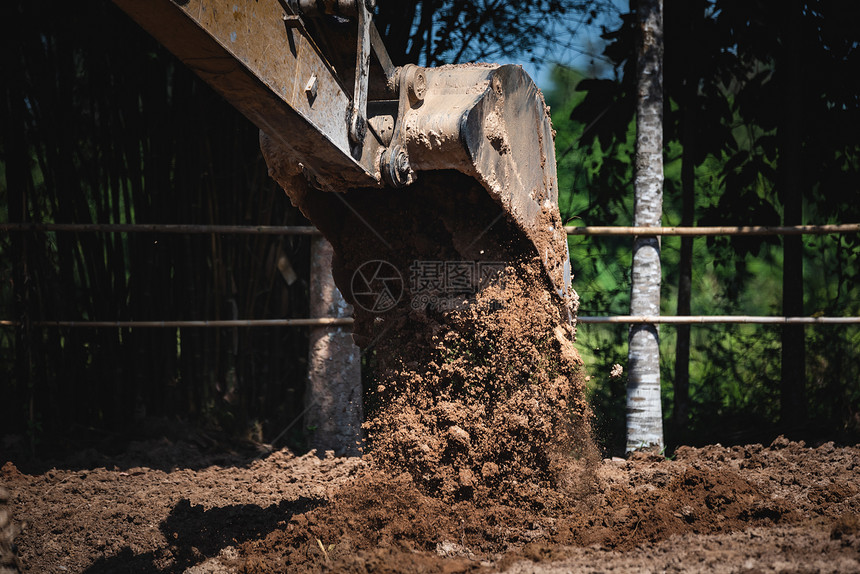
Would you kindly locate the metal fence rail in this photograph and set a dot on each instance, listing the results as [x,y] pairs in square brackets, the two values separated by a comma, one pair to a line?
[702,231]
[316,322]
[712,319]
[313,322]
[162,228]
[311,230]
[346,321]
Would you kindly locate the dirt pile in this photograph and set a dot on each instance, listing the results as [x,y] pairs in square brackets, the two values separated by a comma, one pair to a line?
[480,429]
[384,523]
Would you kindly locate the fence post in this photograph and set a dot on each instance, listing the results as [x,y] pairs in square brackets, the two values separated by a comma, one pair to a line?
[333,398]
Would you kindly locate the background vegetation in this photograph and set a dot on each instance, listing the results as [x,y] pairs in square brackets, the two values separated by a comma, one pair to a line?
[98,123]
[101,124]
[760,129]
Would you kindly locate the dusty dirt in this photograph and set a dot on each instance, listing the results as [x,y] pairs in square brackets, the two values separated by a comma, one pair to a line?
[173,507]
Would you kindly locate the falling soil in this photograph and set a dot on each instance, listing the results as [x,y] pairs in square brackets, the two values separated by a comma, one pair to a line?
[489,403]
[477,390]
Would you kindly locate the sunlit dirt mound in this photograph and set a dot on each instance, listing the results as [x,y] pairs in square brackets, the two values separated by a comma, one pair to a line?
[382,523]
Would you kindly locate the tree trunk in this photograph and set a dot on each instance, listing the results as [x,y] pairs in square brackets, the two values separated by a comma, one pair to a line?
[644,410]
[333,398]
[790,168]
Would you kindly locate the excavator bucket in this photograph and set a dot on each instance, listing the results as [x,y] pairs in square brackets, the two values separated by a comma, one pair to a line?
[477,127]
[410,172]
[491,123]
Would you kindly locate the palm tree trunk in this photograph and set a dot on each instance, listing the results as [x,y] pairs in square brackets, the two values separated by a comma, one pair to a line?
[644,409]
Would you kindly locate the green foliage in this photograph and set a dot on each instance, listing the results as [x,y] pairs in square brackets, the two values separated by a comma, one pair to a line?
[725,81]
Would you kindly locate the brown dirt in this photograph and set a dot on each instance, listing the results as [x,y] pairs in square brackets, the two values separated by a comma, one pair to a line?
[488,404]
[781,508]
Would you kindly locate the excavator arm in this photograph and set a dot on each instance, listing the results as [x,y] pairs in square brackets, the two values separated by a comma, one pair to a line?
[336,117]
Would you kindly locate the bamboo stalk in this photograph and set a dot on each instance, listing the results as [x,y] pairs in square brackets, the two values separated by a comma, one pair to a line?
[725,230]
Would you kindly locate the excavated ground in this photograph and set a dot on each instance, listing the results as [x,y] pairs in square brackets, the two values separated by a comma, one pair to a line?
[174,507]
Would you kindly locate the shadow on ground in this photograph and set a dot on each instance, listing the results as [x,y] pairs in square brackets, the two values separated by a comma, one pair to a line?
[196,534]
